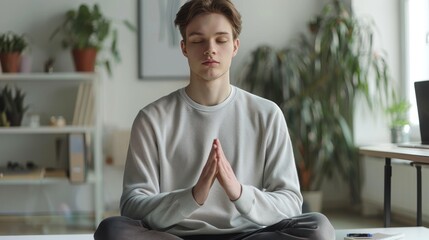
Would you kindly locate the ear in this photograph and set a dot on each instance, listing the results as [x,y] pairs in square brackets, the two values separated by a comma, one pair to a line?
[183,47]
[236,46]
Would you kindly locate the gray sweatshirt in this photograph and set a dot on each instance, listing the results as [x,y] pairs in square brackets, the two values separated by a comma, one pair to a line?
[169,146]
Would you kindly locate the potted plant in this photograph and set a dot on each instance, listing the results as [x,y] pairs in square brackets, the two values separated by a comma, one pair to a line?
[399,123]
[12,107]
[316,82]
[11,47]
[86,31]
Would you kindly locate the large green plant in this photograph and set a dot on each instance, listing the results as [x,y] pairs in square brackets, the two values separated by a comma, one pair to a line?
[316,82]
[89,28]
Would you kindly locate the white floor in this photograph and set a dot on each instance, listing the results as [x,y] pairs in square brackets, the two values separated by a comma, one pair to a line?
[342,219]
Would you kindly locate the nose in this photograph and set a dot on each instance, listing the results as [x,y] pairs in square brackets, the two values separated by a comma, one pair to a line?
[210,49]
[209,52]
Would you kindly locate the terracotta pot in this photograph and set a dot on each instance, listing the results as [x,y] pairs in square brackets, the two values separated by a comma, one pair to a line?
[10,62]
[84,59]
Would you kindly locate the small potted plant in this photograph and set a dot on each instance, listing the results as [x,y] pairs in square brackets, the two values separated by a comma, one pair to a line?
[86,31]
[12,107]
[399,123]
[11,47]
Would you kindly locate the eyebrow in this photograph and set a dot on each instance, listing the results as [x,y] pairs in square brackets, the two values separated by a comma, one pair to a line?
[201,34]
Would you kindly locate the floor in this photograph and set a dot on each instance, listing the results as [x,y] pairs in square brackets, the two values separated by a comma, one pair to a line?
[343,219]
[33,225]
[43,225]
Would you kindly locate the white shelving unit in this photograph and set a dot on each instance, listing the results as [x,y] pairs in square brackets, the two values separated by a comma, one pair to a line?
[52,81]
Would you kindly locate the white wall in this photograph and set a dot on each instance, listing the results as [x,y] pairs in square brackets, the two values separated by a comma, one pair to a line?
[387,41]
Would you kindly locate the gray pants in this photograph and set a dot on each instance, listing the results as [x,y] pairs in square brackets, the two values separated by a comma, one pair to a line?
[306,226]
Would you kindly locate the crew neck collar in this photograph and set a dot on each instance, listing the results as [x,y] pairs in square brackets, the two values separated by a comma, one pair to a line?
[205,108]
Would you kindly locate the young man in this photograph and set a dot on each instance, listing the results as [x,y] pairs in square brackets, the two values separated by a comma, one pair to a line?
[211,161]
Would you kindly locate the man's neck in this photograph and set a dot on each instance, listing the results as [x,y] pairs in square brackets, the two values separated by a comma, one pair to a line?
[208,93]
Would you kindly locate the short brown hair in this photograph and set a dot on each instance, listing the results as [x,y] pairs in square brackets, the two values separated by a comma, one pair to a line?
[196,7]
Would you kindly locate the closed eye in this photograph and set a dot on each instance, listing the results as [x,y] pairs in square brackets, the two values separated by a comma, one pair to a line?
[222,40]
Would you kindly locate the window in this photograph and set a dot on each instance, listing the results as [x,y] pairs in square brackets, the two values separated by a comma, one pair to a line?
[416,47]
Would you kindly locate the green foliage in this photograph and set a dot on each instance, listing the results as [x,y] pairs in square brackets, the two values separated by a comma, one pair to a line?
[12,42]
[88,28]
[316,82]
[12,107]
[397,113]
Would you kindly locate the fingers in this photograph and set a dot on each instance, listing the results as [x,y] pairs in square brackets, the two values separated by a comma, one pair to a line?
[206,179]
[210,169]
[216,167]
[225,173]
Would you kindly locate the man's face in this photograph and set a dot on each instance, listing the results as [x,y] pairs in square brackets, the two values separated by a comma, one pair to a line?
[209,46]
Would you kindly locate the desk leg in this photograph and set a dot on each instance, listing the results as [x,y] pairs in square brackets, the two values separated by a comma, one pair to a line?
[387,191]
[419,195]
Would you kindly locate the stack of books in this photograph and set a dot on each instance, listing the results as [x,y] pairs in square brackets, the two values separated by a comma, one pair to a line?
[84,107]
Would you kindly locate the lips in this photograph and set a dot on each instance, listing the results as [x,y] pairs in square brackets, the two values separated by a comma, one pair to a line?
[210,62]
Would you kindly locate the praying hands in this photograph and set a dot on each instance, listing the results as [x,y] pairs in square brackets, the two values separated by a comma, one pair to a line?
[217,167]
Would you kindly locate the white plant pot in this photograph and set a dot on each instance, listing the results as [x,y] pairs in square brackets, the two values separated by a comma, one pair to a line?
[313,199]
[400,134]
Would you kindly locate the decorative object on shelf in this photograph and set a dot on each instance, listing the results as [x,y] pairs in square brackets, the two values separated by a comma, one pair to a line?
[317,83]
[26,63]
[34,120]
[49,65]
[11,47]
[12,107]
[59,121]
[86,31]
[398,118]
[16,170]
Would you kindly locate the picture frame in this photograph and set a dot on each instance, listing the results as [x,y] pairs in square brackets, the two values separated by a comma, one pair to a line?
[159,52]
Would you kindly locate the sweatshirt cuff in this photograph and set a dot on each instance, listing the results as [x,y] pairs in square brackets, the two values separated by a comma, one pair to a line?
[246,201]
[187,202]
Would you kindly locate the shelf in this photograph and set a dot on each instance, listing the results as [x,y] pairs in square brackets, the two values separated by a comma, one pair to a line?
[58,77]
[46,130]
[56,93]
[90,179]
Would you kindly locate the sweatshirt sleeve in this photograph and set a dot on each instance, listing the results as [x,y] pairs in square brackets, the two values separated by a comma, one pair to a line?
[141,197]
[280,197]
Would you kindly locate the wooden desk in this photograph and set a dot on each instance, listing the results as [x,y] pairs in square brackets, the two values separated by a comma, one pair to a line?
[388,151]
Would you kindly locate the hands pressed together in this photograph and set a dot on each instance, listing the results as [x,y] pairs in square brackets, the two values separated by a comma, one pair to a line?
[217,167]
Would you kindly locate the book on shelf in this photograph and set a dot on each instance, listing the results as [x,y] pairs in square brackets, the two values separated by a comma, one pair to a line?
[55,173]
[77,158]
[89,109]
[78,104]
[84,105]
